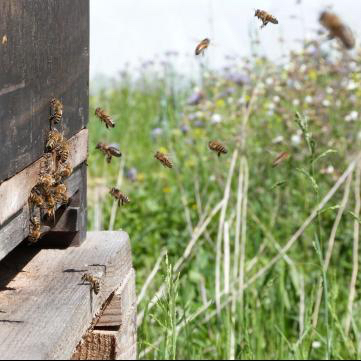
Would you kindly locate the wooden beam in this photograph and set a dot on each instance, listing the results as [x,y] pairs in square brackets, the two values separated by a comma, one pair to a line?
[14,192]
[16,229]
[46,309]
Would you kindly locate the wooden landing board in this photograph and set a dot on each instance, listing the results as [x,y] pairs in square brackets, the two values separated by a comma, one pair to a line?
[17,229]
[14,192]
[45,309]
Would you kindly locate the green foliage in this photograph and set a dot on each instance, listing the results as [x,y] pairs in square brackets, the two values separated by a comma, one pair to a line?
[151,112]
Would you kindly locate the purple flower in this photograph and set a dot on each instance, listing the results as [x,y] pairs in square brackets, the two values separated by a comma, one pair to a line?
[195,98]
[156,132]
[132,174]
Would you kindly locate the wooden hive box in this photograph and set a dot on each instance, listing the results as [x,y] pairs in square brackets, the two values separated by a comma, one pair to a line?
[46,312]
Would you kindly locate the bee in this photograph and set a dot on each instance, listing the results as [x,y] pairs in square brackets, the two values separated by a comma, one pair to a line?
[94,282]
[217,147]
[36,199]
[121,197]
[164,159]
[202,46]
[265,17]
[104,117]
[46,181]
[34,229]
[57,110]
[60,194]
[66,171]
[280,158]
[50,205]
[63,152]
[337,29]
[55,139]
[109,150]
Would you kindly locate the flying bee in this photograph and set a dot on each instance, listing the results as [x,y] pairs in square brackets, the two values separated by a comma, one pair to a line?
[63,152]
[56,110]
[55,139]
[94,282]
[109,150]
[265,17]
[202,46]
[217,147]
[60,194]
[280,158]
[34,229]
[164,159]
[36,199]
[121,197]
[337,29]
[104,117]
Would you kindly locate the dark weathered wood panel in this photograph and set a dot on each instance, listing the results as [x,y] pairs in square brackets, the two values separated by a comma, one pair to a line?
[46,54]
[45,307]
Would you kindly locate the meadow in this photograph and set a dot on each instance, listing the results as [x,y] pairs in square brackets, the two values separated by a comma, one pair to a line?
[235,258]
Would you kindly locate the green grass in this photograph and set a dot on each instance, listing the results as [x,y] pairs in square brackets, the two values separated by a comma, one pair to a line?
[274,318]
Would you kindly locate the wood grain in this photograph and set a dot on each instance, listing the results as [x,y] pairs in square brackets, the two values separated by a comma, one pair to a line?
[46,54]
[45,308]
[14,192]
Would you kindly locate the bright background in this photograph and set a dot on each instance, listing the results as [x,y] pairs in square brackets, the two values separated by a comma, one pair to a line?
[128,31]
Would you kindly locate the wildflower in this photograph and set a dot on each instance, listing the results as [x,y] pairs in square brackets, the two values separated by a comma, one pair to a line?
[269,81]
[352,116]
[296,139]
[308,99]
[316,344]
[199,124]
[184,128]
[156,132]
[276,99]
[216,119]
[195,98]
[326,103]
[295,102]
[329,90]
[132,174]
[351,85]
[278,139]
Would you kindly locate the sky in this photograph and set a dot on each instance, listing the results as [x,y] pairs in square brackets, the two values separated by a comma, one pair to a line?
[132,31]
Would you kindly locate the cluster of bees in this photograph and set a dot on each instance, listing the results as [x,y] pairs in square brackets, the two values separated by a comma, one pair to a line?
[50,190]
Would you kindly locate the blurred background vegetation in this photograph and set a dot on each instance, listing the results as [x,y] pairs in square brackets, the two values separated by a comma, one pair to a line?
[212,229]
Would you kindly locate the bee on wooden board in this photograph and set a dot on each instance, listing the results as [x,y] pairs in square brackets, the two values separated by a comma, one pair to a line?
[280,158]
[46,181]
[56,107]
[110,151]
[202,46]
[119,196]
[60,195]
[218,147]
[63,152]
[64,171]
[94,282]
[104,117]
[337,29]
[164,159]
[35,198]
[55,139]
[265,17]
[34,231]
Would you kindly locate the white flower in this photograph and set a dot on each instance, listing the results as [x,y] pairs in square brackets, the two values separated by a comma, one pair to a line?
[359,135]
[308,99]
[352,116]
[316,344]
[278,139]
[269,81]
[295,139]
[216,118]
[329,90]
[276,99]
[271,106]
[295,102]
[302,68]
[351,85]
[326,103]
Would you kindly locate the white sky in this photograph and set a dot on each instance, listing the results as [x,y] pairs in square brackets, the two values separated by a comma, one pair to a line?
[130,30]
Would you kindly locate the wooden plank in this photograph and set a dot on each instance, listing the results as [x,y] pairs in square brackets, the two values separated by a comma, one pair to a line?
[46,54]
[14,192]
[45,307]
[114,343]
[16,229]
